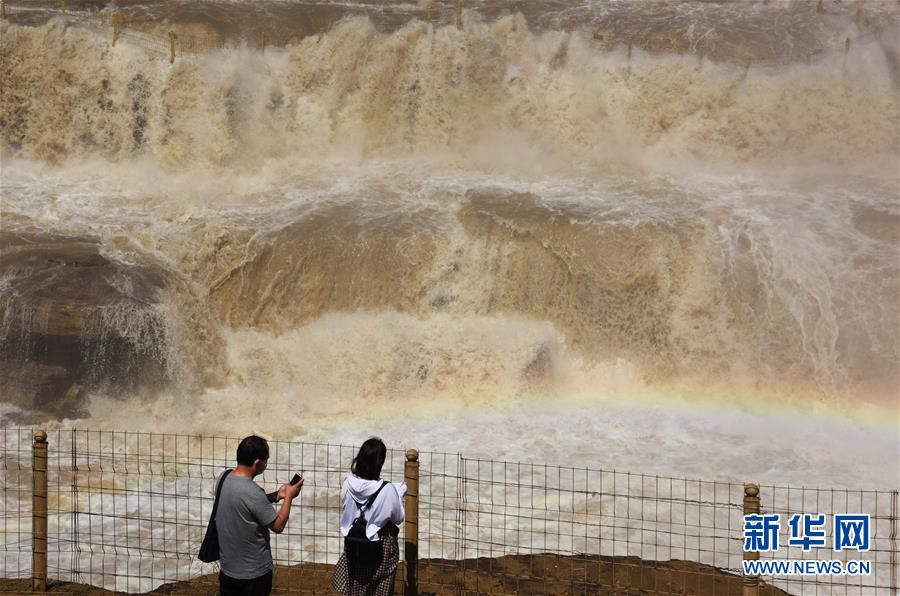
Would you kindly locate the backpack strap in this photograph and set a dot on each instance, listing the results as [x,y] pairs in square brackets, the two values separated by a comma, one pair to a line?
[371,499]
[219,492]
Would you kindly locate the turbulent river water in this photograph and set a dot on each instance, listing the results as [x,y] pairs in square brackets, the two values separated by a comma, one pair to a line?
[606,233]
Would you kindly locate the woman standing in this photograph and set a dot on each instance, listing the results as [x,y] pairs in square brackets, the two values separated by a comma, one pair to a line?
[373,512]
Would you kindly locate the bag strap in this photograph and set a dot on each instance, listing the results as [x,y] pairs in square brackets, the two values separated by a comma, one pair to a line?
[219,492]
[371,499]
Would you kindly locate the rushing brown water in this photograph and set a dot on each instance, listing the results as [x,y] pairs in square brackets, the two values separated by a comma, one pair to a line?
[559,198]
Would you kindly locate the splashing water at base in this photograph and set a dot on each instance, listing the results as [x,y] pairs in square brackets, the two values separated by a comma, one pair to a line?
[467,239]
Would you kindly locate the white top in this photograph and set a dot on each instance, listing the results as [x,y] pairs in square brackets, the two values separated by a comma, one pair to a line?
[388,505]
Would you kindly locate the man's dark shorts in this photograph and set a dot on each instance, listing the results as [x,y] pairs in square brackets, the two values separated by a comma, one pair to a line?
[258,586]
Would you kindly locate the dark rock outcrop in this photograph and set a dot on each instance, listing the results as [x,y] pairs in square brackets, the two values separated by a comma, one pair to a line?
[72,320]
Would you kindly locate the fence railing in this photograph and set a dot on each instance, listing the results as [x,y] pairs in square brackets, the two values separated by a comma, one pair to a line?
[127,511]
[122,24]
[175,41]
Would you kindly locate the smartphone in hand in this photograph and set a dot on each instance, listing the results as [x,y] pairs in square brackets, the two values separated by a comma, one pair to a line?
[274,496]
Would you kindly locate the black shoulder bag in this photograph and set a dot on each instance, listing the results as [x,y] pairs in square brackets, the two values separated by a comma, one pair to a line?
[359,549]
[209,550]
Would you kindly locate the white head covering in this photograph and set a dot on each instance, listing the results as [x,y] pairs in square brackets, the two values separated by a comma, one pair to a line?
[388,505]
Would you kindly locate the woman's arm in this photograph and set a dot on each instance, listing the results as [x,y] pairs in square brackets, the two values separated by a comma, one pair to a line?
[398,513]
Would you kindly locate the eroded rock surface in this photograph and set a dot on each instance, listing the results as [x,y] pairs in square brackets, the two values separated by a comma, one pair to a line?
[72,319]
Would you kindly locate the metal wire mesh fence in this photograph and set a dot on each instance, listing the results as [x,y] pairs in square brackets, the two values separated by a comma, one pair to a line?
[15,482]
[883,509]
[127,512]
[535,526]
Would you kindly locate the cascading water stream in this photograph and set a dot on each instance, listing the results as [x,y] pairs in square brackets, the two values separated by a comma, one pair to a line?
[558,213]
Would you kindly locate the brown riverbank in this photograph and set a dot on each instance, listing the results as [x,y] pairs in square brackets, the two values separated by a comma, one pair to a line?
[518,574]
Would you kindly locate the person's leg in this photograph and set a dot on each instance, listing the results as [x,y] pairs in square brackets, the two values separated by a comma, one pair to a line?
[262,585]
[389,582]
[340,581]
[258,586]
[228,586]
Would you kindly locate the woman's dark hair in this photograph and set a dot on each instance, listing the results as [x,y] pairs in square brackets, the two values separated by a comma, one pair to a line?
[251,449]
[368,462]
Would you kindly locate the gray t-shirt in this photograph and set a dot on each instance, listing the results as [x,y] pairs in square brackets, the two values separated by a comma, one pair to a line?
[242,521]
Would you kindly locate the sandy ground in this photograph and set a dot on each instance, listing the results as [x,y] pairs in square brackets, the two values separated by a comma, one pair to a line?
[518,574]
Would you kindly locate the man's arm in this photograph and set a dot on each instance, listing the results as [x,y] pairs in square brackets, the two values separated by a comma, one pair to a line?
[290,491]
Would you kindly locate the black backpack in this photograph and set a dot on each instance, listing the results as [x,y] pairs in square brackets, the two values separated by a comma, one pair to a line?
[359,549]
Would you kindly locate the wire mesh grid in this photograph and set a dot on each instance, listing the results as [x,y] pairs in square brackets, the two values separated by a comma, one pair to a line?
[127,512]
[534,527]
[883,509]
[15,482]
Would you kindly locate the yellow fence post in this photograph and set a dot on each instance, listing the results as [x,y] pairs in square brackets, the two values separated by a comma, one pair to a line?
[39,513]
[172,39]
[751,506]
[62,6]
[2,9]
[459,14]
[411,525]
[116,22]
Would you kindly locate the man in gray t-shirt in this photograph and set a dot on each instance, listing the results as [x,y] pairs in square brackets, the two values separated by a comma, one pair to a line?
[243,520]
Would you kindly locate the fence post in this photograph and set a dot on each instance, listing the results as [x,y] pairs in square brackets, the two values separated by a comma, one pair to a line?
[411,525]
[2,9]
[39,512]
[172,39]
[751,506]
[116,23]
